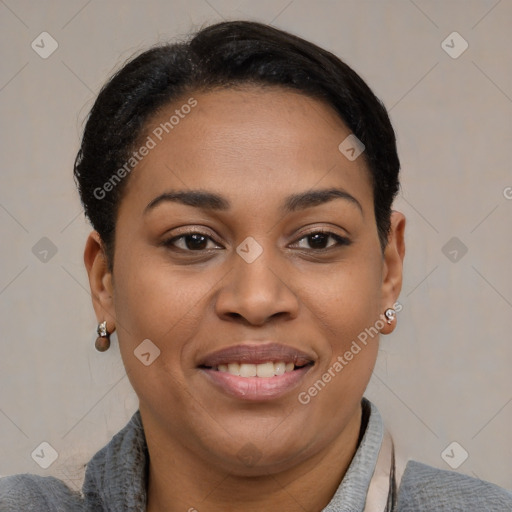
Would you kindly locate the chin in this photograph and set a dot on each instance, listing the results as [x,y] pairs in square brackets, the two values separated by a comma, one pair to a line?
[255,457]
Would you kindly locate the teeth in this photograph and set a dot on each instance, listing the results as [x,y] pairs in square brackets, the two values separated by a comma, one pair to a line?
[264,370]
[234,368]
[279,368]
[247,370]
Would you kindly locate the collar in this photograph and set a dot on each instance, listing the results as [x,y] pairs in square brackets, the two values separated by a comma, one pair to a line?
[351,493]
[116,477]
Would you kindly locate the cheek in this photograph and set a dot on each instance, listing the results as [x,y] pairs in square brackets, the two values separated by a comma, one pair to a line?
[161,303]
[152,304]
[345,306]
[347,309]
[157,300]
[347,298]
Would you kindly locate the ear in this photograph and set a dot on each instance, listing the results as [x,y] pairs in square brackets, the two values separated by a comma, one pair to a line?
[100,280]
[392,267]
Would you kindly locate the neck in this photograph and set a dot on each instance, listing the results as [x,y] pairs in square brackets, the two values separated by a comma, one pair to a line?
[178,480]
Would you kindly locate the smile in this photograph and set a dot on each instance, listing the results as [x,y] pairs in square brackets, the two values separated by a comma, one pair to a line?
[256,372]
[262,370]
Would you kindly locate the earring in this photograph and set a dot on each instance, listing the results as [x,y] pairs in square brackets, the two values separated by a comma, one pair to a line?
[103,339]
[390,315]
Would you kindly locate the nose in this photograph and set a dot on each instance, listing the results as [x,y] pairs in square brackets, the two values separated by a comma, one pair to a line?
[257,292]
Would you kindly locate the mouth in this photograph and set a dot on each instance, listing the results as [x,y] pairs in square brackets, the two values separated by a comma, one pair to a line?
[256,372]
[264,370]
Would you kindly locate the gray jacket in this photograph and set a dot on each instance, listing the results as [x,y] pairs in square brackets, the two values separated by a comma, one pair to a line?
[115,481]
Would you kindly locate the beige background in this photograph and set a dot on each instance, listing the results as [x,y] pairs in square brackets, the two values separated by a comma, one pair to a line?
[443,376]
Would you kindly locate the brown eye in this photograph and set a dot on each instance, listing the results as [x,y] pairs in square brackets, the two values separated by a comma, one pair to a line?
[192,241]
[318,240]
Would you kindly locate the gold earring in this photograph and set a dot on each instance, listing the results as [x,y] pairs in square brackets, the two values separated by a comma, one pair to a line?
[103,339]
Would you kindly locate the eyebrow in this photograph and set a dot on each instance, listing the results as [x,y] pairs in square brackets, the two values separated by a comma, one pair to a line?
[211,201]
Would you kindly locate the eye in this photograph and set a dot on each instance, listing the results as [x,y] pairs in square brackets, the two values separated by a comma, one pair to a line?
[191,241]
[195,241]
[318,239]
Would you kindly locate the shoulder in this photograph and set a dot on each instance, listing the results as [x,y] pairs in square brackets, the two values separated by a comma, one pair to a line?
[425,488]
[34,493]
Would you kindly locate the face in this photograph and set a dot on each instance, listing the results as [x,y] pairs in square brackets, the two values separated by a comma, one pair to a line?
[277,269]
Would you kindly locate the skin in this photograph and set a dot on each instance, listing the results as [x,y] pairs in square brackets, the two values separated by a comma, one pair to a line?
[255,147]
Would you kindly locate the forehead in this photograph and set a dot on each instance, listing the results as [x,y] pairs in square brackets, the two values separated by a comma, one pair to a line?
[257,143]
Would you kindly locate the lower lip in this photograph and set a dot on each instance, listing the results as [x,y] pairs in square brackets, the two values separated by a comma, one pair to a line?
[256,388]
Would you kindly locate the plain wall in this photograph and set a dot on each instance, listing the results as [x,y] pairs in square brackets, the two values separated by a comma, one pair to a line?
[442,376]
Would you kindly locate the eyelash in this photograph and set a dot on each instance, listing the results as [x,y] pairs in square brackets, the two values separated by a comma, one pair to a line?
[340,240]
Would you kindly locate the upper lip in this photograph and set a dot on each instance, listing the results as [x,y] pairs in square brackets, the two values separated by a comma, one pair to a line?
[256,353]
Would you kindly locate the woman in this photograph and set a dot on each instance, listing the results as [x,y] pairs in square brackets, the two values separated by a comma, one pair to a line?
[244,249]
